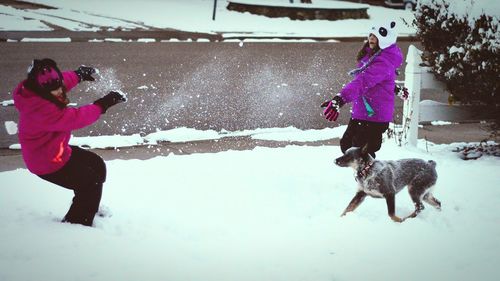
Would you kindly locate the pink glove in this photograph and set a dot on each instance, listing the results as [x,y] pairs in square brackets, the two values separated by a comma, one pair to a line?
[332,107]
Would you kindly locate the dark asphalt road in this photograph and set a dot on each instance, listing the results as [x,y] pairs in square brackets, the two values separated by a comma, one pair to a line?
[199,85]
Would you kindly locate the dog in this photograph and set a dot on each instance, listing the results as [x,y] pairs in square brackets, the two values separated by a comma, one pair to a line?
[384,179]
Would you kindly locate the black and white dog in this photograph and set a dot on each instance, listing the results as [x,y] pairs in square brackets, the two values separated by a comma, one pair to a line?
[383,179]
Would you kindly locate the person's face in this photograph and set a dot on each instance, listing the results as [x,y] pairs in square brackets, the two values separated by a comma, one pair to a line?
[372,41]
[58,93]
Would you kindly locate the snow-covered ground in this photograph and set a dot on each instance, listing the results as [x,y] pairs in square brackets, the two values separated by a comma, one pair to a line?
[192,15]
[266,214]
[183,134]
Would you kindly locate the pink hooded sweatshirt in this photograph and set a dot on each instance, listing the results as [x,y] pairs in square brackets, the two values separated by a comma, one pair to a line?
[45,129]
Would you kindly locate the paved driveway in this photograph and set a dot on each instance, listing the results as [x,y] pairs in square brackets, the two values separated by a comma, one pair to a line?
[199,85]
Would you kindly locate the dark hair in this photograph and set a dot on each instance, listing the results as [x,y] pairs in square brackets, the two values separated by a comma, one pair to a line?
[51,81]
[44,75]
[362,52]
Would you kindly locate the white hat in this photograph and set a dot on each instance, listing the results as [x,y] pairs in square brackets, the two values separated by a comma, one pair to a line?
[385,33]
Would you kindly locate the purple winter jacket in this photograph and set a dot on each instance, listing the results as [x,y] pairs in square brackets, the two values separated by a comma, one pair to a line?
[45,129]
[376,84]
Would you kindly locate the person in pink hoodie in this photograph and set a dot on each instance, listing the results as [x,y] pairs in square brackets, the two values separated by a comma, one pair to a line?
[45,125]
[371,91]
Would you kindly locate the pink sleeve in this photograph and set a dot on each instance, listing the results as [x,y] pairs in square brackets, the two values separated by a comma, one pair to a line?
[70,79]
[54,119]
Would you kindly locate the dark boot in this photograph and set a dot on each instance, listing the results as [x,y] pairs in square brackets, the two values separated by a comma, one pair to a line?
[85,205]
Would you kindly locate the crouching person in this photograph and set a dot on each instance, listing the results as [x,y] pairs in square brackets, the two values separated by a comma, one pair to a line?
[45,125]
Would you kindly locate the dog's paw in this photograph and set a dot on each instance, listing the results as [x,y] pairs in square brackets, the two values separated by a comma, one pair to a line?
[397,219]
[345,213]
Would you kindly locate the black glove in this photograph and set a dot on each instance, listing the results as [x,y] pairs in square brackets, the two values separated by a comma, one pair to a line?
[85,73]
[337,101]
[402,92]
[109,100]
[331,111]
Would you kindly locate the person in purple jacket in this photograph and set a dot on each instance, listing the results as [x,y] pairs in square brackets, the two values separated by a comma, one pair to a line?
[371,91]
[45,125]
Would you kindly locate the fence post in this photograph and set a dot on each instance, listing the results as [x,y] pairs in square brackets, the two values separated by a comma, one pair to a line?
[413,79]
[215,9]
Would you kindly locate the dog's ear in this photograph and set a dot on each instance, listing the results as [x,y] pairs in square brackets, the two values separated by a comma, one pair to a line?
[364,150]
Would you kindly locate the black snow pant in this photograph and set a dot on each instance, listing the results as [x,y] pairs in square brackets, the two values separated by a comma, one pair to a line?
[360,132]
[84,173]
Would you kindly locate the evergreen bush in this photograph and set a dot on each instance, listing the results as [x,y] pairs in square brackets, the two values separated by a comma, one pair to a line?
[463,51]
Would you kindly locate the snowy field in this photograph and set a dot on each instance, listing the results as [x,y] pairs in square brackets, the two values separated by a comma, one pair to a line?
[264,214]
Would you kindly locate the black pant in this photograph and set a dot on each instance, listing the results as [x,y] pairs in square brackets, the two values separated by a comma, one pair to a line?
[360,132]
[84,173]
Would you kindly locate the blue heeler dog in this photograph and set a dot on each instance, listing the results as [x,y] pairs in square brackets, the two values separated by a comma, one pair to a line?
[383,179]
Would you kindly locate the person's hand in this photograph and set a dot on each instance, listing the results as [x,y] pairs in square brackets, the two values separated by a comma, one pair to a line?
[85,73]
[402,92]
[109,100]
[332,107]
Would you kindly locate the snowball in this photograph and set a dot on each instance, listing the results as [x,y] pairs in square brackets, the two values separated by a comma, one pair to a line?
[11,127]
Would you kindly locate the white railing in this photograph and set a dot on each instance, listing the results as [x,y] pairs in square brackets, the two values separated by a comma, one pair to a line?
[417,78]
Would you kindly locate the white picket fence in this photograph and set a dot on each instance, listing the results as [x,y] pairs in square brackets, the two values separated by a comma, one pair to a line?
[417,78]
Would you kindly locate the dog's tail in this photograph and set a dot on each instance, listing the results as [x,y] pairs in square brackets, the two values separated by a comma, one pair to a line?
[432,163]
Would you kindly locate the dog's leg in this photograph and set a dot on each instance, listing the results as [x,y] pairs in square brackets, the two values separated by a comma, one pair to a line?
[429,198]
[358,198]
[391,207]
[416,195]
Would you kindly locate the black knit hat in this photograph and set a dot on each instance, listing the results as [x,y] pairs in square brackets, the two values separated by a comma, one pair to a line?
[44,75]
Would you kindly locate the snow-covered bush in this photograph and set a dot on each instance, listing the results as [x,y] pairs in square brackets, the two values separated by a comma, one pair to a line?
[461,42]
